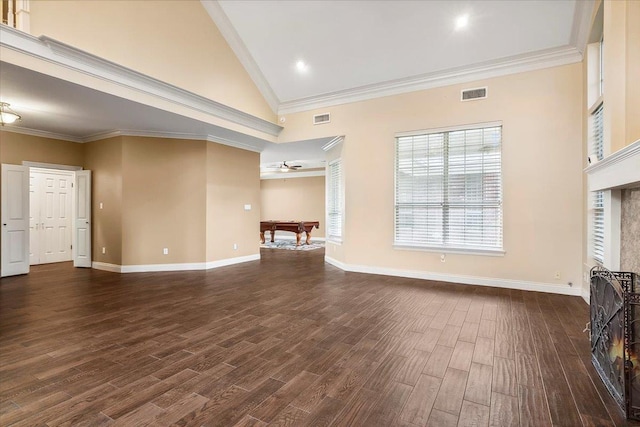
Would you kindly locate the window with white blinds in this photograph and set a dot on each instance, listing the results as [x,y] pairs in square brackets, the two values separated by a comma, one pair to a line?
[597,201]
[448,189]
[334,201]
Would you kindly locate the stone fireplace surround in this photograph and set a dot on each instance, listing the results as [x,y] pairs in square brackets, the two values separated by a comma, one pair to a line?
[618,175]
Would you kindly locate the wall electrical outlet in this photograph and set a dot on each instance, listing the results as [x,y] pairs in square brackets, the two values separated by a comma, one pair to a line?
[104,250]
[443,258]
[557,275]
[100,205]
[235,246]
[165,251]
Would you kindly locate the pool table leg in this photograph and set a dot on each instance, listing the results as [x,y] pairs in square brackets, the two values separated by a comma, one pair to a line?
[273,235]
[298,239]
[308,237]
[262,237]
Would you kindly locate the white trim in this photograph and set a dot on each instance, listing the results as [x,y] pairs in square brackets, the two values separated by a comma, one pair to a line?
[290,175]
[51,166]
[581,24]
[516,64]
[586,294]
[232,261]
[618,170]
[41,133]
[53,51]
[257,146]
[216,13]
[105,266]
[449,129]
[465,280]
[335,141]
[192,266]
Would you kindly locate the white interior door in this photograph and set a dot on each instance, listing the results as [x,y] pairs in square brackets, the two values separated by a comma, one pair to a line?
[50,223]
[15,220]
[34,219]
[82,220]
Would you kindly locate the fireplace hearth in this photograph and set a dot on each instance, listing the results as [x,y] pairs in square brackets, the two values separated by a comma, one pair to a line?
[615,335]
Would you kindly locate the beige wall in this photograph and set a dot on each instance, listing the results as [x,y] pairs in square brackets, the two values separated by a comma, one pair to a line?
[174,41]
[621,71]
[233,180]
[163,200]
[541,112]
[184,195]
[633,73]
[294,198]
[104,159]
[16,148]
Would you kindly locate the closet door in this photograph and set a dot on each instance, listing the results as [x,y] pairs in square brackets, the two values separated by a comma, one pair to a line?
[15,220]
[55,217]
[35,188]
[50,194]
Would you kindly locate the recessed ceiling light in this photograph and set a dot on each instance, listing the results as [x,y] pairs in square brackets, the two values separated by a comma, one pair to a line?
[462,21]
[301,66]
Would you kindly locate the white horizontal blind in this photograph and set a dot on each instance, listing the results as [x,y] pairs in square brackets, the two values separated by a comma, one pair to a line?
[597,235]
[597,202]
[334,200]
[597,132]
[449,189]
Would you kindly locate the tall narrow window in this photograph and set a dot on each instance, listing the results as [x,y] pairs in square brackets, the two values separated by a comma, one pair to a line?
[448,192]
[597,197]
[334,201]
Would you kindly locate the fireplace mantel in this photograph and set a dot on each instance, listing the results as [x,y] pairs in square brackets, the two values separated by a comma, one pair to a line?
[617,171]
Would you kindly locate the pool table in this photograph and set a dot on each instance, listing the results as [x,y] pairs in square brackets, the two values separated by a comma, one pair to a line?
[297,227]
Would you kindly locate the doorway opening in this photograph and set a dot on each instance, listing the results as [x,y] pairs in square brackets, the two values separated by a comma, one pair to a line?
[50,193]
[46,212]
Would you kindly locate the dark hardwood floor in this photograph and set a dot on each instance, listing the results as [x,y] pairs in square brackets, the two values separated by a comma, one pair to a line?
[290,340]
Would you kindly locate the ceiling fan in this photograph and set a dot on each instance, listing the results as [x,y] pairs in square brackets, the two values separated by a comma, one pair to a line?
[284,167]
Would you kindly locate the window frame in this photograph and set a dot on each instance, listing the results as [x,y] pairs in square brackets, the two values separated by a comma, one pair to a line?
[448,247]
[338,198]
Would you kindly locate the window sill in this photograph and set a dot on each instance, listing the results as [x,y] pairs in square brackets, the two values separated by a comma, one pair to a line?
[450,250]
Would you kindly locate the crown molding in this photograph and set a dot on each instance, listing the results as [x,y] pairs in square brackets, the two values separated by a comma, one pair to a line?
[581,28]
[515,64]
[335,141]
[216,13]
[291,175]
[41,133]
[53,51]
[255,147]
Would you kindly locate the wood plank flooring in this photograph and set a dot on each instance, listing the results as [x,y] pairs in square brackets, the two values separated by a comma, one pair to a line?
[290,341]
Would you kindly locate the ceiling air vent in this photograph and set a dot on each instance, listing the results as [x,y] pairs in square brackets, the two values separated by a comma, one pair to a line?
[320,119]
[473,94]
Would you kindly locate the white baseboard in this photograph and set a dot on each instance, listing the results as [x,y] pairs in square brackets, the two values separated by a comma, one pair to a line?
[191,266]
[114,268]
[466,280]
[586,294]
[231,261]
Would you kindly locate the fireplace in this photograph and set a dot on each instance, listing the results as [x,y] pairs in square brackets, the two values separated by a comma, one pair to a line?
[615,335]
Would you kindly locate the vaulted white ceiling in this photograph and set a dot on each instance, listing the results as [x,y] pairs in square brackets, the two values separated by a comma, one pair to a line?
[363,48]
[353,50]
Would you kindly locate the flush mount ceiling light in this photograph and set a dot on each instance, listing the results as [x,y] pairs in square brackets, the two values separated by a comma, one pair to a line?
[301,66]
[462,21]
[7,115]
